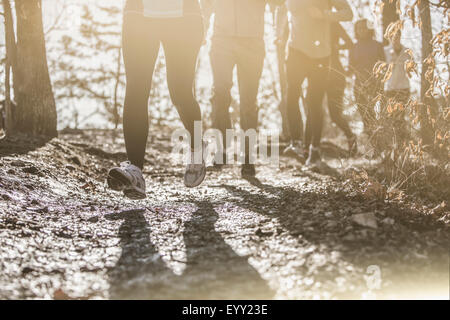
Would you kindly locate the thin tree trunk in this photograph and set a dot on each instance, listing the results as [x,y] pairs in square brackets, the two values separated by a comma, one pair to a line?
[10,44]
[116,89]
[9,122]
[389,15]
[36,108]
[279,16]
[426,129]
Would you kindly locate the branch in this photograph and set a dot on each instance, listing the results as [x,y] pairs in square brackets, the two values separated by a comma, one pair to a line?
[56,21]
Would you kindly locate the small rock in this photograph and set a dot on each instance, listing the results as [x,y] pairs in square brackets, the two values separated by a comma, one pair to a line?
[27,270]
[43,210]
[6,197]
[331,224]
[93,219]
[30,170]
[18,163]
[388,221]
[365,220]
[261,233]
[70,167]
[349,237]
[63,234]
[76,160]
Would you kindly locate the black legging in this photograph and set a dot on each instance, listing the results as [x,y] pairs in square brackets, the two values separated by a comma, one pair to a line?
[335,95]
[300,66]
[181,39]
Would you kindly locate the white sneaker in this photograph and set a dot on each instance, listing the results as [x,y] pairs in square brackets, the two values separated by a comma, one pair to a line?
[129,179]
[195,172]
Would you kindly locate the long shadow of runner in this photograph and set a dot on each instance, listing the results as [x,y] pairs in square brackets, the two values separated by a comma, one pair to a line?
[140,269]
[213,269]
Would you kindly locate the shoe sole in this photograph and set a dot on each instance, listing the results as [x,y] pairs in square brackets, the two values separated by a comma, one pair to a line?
[134,194]
[294,155]
[118,182]
[198,181]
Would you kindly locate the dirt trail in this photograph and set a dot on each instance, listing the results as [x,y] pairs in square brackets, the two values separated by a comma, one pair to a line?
[286,234]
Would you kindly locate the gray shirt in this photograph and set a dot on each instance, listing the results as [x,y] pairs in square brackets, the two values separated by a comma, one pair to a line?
[310,24]
[398,80]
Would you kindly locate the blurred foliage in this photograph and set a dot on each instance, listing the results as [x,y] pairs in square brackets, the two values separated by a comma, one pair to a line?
[90,64]
[397,138]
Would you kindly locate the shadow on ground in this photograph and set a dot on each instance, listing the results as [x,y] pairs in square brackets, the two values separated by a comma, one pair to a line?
[19,144]
[396,248]
[213,270]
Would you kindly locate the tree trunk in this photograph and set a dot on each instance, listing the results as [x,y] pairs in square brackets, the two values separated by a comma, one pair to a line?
[426,129]
[389,15]
[36,108]
[116,112]
[10,44]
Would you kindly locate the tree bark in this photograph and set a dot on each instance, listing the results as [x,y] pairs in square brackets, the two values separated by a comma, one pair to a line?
[36,108]
[10,44]
[426,129]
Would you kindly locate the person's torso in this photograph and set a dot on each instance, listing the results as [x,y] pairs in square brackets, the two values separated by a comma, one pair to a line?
[308,34]
[365,55]
[398,80]
[163,8]
[239,18]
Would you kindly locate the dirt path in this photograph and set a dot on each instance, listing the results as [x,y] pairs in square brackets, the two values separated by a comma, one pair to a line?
[286,234]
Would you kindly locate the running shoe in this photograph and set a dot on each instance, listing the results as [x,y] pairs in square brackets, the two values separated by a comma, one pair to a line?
[296,149]
[195,172]
[129,179]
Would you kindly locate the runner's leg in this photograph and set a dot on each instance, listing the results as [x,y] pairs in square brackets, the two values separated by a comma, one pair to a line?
[314,99]
[140,51]
[222,65]
[297,68]
[250,55]
[182,40]
[335,96]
